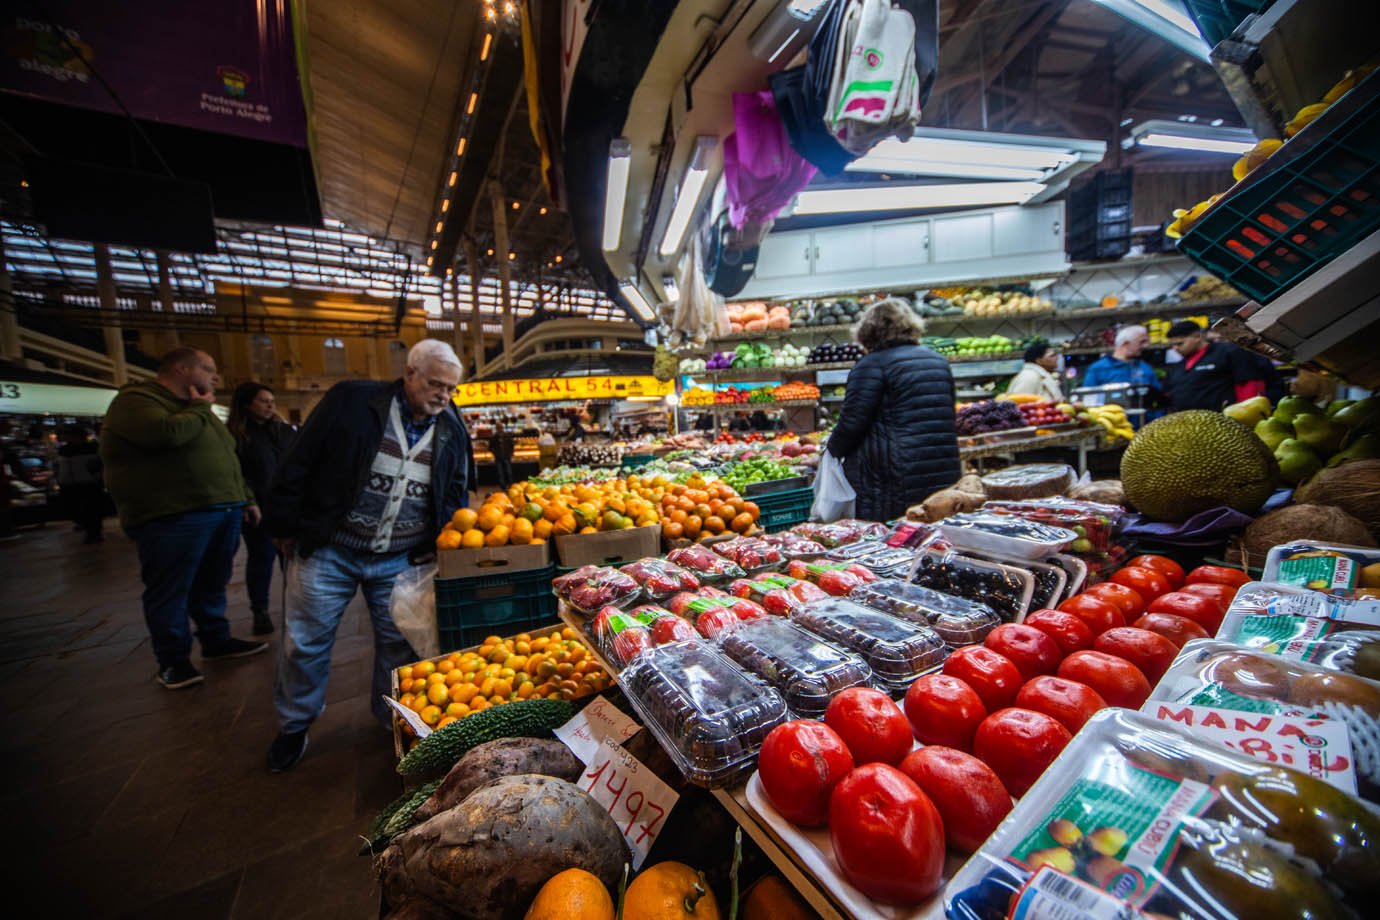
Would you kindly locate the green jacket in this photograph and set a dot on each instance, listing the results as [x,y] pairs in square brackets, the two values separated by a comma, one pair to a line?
[164,455]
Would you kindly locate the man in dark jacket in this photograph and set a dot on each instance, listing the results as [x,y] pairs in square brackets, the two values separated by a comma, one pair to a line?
[1212,374]
[501,445]
[896,431]
[375,472]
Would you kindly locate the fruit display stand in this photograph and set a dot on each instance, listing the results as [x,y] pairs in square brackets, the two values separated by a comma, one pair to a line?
[1017,441]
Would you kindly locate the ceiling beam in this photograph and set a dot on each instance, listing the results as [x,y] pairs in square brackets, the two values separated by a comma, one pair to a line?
[1012,47]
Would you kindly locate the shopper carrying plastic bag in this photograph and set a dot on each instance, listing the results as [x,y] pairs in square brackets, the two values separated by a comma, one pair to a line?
[834,497]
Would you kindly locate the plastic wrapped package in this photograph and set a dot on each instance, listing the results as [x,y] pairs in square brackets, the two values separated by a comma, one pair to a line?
[1137,815]
[751,554]
[622,635]
[1328,567]
[897,650]
[660,578]
[838,533]
[709,715]
[879,558]
[1076,570]
[805,669]
[1006,535]
[794,546]
[1029,480]
[1334,633]
[1209,672]
[835,578]
[1096,523]
[708,566]
[778,594]
[1006,589]
[956,620]
[713,612]
[593,587]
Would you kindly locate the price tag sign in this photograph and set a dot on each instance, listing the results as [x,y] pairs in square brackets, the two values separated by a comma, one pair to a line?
[1312,743]
[599,720]
[410,717]
[638,801]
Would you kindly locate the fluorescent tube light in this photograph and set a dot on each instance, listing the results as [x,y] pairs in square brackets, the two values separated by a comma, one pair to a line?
[896,197]
[634,297]
[1178,142]
[616,191]
[688,196]
[1178,135]
[1165,18]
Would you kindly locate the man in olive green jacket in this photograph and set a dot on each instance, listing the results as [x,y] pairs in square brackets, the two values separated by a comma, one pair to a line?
[171,467]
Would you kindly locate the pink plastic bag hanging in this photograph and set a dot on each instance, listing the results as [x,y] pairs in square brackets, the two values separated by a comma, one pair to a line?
[762,172]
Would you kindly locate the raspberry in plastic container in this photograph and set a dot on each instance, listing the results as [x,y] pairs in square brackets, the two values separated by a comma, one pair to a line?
[751,553]
[805,669]
[778,594]
[660,578]
[1095,524]
[592,587]
[708,713]
[707,565]
[956,620]
[897,650]
[834,578]
[1137,818]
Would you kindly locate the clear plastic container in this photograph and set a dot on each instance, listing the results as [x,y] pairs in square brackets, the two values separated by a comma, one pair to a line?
[708,566]
[660,578]
[879,558]
[1029,480]
[778,594]
[1094,523]
[750,553]
[956,620]
[1005,535]
[592,587]
[1137,814]
[834,578]
[709,715]
[1332,568]
[622,635]
[838,533]
[805,669]
[713,612]
[1076,570]
[1328,644]
[794,546]
[897,650]
[1006,589]
[1051,581]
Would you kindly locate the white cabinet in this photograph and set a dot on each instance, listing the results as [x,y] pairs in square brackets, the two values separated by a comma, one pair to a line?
[900,243]
[1020,230]
[843,249]
[963,239]
[784,255]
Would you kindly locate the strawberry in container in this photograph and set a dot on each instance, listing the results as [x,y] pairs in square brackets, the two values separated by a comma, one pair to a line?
[707,565]
[621,635]
[777,594]
[751,553]
[836,579]
[592,587]
[841,532]
[659,578]
[670,628]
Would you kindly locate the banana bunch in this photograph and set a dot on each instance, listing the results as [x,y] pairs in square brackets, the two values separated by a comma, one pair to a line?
[1112,418]
[1255,157]
[1339,89]
[1184,220]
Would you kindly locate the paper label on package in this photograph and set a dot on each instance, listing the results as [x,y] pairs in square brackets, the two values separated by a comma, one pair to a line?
[1052,895]
[1362,611]
[635,797]
[599,720]
[1312,743]
[410,717]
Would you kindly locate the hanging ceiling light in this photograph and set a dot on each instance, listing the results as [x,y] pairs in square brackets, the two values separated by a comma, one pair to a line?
[896,197]
[639,303]
[980,155]
[688,196]
[1165,18]
[616,191]
[1179,135]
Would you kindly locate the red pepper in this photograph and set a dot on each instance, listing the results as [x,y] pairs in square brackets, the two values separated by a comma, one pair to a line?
[1218,574]
[1202,610]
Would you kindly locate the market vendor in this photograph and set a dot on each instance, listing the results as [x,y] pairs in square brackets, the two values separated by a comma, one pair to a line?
[1212,374]
[1036,377]
[1124,364]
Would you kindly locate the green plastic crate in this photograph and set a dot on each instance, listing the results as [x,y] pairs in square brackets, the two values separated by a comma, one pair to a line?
[1217,19]
[470,609]
[637,461]
[783,510]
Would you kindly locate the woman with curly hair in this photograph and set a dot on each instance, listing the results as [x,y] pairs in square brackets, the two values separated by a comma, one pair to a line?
[896,433]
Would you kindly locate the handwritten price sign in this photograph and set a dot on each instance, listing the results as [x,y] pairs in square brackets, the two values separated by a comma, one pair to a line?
[585,733]
[638,801]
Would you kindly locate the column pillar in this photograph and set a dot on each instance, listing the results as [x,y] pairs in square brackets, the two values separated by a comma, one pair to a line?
[110,316]
[476,317]
[505,270]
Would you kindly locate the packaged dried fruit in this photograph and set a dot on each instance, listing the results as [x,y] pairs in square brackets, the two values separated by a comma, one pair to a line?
[834,578]
[1342,638]
[1136,815]
[778,594]
[956,620]
[592,587]
[1095,524]
[713,612]
[660,578]
[1006,535]
[1006,589]
[897,650]
[752,554]
[709,714]
[708,566]
[805,669]
[1344,571]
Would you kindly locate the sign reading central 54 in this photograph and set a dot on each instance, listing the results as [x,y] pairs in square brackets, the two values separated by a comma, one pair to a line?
[486,392]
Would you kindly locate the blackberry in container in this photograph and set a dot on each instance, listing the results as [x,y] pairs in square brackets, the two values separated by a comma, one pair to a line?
[897,650]
[805,669]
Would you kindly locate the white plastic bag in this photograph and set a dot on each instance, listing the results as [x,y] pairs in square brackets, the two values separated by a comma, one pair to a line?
[834,496]
[413,606]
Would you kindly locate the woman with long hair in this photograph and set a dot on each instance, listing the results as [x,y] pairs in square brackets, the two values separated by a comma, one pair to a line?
[896,432]
[261,437]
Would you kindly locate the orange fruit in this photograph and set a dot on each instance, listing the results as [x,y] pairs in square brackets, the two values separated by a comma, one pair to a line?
[423,669]
[714,524]
[438,692]
[521,533]
[673,531]
[742,523]
[497,537]
[572,895]
[663,891]
[449,539]
[752,509]
[472,539]
[490,516]
[588,530]
[541,529]
[464,519]
[555,510]
[692,526]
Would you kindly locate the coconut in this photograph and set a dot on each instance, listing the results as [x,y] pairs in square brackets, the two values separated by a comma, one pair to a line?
[1105,491]
[1319,523]
[1354,485]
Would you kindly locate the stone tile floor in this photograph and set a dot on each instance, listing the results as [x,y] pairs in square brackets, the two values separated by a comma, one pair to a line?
[123,799]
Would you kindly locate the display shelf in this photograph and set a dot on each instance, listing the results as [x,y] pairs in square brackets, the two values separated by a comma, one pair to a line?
[774,334]
[970,370]
[1084,439]
[751,407]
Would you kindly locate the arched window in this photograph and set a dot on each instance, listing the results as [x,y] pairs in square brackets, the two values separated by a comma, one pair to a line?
[397,358]
[263,360]
[335,362]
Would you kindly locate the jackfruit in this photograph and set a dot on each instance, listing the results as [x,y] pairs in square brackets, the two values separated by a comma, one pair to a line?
[1191,461]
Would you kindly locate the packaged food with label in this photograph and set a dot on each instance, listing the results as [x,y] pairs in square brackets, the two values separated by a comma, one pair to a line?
[709,714]
[660,578]
[622,635]
[713,612]
[958,621]
[1006,589]
[1340,634]
[840,532]
[1050,580]
[1029,480]
[1095,524]
[708,566]
[835,578]
[807,670]
[1332,568]
[1006,535]
[752,554]
[778,594]
[897,650]
[879,558]
[592,587]
[794,546]
[1136,815]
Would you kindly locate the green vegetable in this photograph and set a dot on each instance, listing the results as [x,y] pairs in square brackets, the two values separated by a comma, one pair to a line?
[396,817]
[435,754]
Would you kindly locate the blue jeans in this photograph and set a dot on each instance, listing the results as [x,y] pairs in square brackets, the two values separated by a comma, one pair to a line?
[185,562]
[260,556]
[318,591]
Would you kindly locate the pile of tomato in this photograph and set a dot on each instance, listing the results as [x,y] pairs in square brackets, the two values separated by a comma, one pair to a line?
[989,724]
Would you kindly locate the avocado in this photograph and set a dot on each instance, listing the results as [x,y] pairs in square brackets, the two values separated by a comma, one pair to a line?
[1273,432]
[1319,433]
[1297,461]
[1249,411]
[1291,406]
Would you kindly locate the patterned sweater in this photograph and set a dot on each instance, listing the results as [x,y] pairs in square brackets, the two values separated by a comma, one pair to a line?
[394,509]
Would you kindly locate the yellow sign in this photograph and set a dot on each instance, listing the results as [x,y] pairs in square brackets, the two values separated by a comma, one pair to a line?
[488,392]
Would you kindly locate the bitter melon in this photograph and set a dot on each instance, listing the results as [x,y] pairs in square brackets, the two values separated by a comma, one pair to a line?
[396,817]
[435,754]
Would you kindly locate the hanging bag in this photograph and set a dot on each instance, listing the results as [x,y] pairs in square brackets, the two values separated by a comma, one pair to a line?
[834,496]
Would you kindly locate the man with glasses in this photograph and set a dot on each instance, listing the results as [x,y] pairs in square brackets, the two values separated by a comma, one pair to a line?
[374,474]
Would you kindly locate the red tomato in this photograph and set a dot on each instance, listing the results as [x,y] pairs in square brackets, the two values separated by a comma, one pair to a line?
[800,764]
[1067,701]
[1202,610]
[1162,564]
[1115,679]
[887,835]
[1147,650]
[995,678]
[1123,598]
[1148,583]
[873,727]
[1218,574]
[944,710]
[1072,634]
[1222,594]
[970,797]
[1019,744]
[1031,651]
[1174,628]
[1100,615]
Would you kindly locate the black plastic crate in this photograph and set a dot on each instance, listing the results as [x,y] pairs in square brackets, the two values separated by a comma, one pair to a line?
[470,609]
[1108,230]
[1100,249]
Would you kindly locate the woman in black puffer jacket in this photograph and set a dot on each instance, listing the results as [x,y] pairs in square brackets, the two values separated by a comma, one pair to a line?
[896,431]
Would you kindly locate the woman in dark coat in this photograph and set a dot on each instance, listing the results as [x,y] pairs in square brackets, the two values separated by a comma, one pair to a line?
[896,431]
[261,437]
